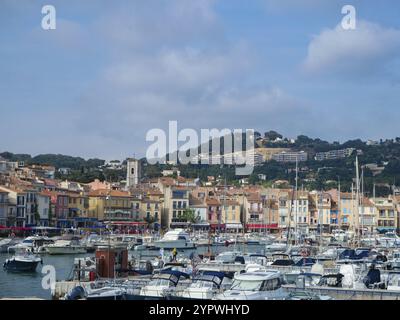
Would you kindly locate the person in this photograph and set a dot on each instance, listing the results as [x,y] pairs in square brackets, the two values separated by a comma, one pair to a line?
[174,253]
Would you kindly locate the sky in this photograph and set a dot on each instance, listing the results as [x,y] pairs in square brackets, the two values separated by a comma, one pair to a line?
[113,70]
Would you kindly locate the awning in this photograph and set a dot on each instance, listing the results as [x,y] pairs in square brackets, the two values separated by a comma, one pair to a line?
[262,226]
[204,225]
[174,224]
[83,219]
[234,226]
[216,226]
[125,223]
[201,224]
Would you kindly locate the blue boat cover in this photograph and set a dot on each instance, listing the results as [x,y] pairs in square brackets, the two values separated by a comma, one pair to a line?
[176,273]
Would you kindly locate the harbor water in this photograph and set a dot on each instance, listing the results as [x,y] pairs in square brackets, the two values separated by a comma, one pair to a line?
[14,284]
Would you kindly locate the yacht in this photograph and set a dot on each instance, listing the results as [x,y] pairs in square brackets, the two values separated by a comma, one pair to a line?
[204,287]
[177,238]
[35,244]
[22,261]
[263,285]
[161,286]
[66,247]
[106,293]
[276,247]
[6,243]
[144,243]
[393,281]
[394,262]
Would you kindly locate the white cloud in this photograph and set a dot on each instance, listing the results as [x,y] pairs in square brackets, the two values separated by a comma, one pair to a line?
[367,50]
[285,5]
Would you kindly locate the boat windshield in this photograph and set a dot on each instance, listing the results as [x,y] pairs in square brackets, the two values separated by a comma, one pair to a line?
[203,284]
[160,283]
[246,285]
[394,280]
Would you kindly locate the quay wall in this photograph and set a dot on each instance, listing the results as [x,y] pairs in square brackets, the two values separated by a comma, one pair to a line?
[348,294]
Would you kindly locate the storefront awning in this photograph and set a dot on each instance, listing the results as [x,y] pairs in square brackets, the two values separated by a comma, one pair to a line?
[262,226]
[216,225]
[125,223]
[201,225]
[234,226]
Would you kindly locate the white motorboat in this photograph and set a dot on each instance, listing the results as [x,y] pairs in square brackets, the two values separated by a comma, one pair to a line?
[264,285]
[204,287]
[161,286]
[6,243]
[66,247]
[177,238]
[144,243]
[22,261]
[276,247]
[35,244]
[394,262]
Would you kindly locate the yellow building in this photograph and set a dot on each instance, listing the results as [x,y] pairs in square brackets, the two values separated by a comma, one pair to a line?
[110,205]
[386,214]
[78,205]
[231,215]
[150,210]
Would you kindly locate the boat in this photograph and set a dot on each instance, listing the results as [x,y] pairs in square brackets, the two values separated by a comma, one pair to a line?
[203,287]
[394,262]
[106,293]
[22,261]
[177,238]
[35,244]
[263,285]
[304,295]
[144,243]
[275,247]
[66,247]
[160,287]
[6,243]
[393,281]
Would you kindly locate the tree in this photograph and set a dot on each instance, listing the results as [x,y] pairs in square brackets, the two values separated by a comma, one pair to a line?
[150,220]
[272,135]
[190,216]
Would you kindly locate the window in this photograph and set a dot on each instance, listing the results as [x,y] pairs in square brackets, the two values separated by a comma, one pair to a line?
[272,284]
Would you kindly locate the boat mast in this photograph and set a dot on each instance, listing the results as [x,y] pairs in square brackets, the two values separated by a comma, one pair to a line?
[296,203]
[362,202]
[357,224]
[339,207]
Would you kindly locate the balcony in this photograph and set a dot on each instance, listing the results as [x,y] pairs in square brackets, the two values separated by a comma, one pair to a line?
[255,221]
[118,215]
[256,211]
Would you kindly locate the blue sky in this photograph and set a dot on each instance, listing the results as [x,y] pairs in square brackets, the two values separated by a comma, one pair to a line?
[111,71]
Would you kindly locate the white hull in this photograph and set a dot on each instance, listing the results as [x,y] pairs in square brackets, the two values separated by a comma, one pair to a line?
[65,250]
[177,244]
